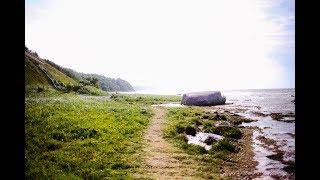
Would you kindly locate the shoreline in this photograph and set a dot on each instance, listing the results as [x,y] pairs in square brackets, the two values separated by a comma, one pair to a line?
[242,164]
[272,152]
[260,155]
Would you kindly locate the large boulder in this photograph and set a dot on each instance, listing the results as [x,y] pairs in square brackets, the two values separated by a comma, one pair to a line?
[206,98]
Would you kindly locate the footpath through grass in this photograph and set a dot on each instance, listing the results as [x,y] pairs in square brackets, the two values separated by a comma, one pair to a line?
[68,136]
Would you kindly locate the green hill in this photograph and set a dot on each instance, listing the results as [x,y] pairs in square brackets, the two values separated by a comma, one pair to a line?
[44,73]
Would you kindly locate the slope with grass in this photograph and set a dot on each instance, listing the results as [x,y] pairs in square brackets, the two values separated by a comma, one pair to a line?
[39,73]
[44,73]
[33,75]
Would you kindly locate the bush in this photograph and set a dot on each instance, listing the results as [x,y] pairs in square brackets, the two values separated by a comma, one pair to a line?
[224,145]
[197,122]
[52,145]
[58,136]
[40,89]
[190,130]
[90,90]
[75,88]
[209,140]
[228,131]
[180,129]
[233,133]
[82,133]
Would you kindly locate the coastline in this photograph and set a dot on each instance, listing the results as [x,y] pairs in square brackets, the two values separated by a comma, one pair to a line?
[271,142]
[240,165]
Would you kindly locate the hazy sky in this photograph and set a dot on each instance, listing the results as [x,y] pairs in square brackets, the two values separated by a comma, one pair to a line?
[175,44]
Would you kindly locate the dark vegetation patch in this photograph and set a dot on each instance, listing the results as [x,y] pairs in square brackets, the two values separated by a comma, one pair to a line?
[276,116]
[290,167]
[180,129]
[209,140]
[278,156]
[224,145]
[82,133]
[190,130]
[259,114]
[266,141]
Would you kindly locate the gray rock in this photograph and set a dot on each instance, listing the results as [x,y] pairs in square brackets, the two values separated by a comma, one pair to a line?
[205,98]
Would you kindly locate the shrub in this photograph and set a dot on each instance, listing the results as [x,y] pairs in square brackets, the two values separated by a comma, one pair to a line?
[224,145]
[290,167]
[180,129]
[58,136]
[89,90]
[52,145]
[233,133]
[144,111]
[278,156]
[40,89]
[113,96]
[75,88]
[84,133]
[228,131]
[197,122]
[209,140]
[190,130]
[205,116]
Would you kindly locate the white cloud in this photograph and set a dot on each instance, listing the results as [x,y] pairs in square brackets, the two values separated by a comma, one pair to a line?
[181,44]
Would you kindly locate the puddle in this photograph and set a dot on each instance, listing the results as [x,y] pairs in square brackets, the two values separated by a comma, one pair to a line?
[200,137]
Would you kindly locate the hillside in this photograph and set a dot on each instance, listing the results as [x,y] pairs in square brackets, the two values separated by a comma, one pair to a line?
[42,72]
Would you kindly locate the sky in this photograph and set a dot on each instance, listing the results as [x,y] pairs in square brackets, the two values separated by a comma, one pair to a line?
[169,44]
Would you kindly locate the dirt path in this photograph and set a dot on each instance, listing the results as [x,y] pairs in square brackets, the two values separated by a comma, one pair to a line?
[162,160]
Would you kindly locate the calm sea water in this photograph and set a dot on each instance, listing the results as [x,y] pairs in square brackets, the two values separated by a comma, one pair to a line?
[269,100]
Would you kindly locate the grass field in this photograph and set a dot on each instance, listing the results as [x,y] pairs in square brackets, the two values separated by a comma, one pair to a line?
[73,136]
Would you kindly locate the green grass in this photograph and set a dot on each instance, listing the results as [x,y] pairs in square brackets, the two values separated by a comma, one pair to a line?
[181,119]
[145,99]
[49,91]
[90,90]
[71,137]
[59,76]
[33,75]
